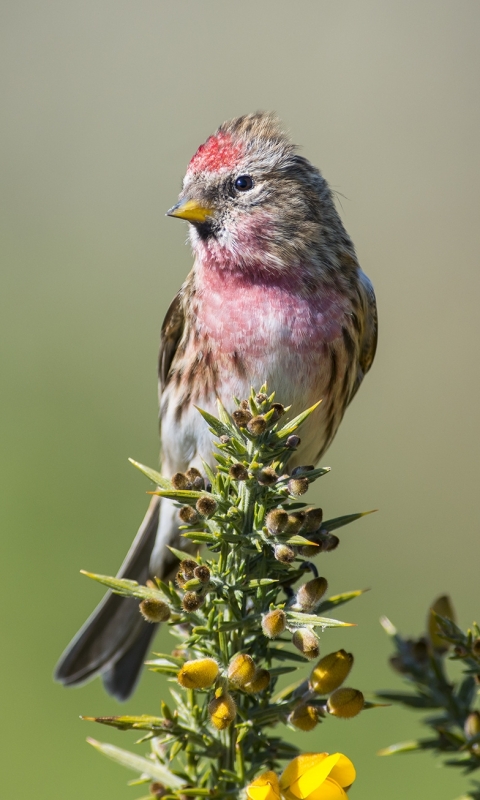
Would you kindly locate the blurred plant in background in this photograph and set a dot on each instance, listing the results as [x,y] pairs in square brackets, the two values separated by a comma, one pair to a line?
[455,725]
[241,625]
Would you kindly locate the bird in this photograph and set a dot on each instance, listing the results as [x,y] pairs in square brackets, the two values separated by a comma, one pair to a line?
[275,295]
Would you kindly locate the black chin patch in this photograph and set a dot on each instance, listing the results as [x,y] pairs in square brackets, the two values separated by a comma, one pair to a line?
[205,230]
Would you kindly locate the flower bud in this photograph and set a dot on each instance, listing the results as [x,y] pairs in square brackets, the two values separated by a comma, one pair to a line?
[293,441]
[257,425]
[301,470]
[267,476]
[472,725]
[180,481]
[304,717]
[188,567]
[260,398]
[330,672]
[313,519]
[195,477]
[276,521]
[278,411]
[310,594]
[206,505]
[200,673]
[238,472]
[225,439]
[298,486]
[241,416]
[306,641]
[202,572]
[154,610]
[309,550]
[241,670]
[284,553]
[188,515]
[274,623]
[191,601]
[259,682]
[295,522]
[443,607]
[345,703]
[222,711]
[330,542]
[244,404]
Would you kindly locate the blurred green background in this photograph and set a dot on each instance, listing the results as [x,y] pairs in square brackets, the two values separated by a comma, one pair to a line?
[103,103]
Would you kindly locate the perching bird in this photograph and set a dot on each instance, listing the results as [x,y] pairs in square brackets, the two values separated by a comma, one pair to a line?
[275,295]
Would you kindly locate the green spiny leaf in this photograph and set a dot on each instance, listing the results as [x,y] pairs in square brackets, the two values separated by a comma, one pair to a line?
[153,769]
[339,522]
[154,476]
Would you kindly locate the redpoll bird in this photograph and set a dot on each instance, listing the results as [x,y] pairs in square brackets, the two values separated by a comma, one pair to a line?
[275,295]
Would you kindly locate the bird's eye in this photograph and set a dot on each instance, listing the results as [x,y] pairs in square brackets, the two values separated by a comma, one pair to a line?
[243,183]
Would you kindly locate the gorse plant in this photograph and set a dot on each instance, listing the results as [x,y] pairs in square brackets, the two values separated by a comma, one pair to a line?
[455,723]
[249,612]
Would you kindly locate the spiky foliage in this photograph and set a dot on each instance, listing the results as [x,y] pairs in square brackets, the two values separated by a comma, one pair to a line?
[454,719]
[240,623]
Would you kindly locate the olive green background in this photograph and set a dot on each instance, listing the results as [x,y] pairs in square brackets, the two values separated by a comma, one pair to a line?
[103,103]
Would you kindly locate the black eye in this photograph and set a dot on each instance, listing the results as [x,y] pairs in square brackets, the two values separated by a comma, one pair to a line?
[243,183]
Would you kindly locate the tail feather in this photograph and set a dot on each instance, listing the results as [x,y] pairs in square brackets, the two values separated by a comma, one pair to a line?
[115,637]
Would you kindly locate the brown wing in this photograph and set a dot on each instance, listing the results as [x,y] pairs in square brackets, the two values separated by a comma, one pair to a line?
[172,329]
[368,343]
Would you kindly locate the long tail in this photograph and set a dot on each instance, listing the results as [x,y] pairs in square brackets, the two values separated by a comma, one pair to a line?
[115,638]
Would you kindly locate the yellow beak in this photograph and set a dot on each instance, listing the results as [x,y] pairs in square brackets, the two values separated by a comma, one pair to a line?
[191,211]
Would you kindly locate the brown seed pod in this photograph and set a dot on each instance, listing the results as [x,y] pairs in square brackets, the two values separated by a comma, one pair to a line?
[154,610]
[206,505]
[306,641]
[284,553]
[345,703]
[180,481]
[202,572]
[274,623]
[259,682]
[313,519]
[188,567]
[309,550]
[278,410]
[330,542]
[191,601]
[330,672]
[267,476]
[293,441]
[238,472]
[298,486]
[310,594]
[276,521]
[257,425]
[188,515]
[196,479]
[294,523]
[241,417]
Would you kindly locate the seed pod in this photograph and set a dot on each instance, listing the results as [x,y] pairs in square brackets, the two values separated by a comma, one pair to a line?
[238,472]
[276,521]
[154,610]
[241,670]
[345,703]
[304,717]
[301,470]
[225,439]
[274,623]
[267,476]
[330,672]
[284,553]
[259,682]
[306,641]
[330,542]
[309,550]
[472,725]
[200,673]
[293,441]
[443,607]
[222,711]
[279,411]
[196,479]
[260,398]
[188,567]
[241,417]
[310,594]
[244,404]
[180,481]
[257,425]
[191,601]
[313,519]
[206,505]
[298,486]
[202,572]
[295,522]
[188,515]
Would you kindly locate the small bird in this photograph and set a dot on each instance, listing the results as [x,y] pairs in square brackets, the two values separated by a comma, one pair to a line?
[275,295]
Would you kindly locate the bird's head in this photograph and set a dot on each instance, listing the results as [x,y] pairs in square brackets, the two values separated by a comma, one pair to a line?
[253,202]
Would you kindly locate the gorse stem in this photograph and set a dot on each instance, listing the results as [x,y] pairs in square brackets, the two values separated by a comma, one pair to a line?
[240,622]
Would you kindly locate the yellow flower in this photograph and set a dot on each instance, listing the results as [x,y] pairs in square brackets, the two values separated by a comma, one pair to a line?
[265,787]
[312,776]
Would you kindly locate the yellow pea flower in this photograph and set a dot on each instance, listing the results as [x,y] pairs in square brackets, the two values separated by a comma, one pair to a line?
[265,787]
[311,776]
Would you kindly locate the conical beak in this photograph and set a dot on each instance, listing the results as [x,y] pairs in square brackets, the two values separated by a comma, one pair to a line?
[190,210]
